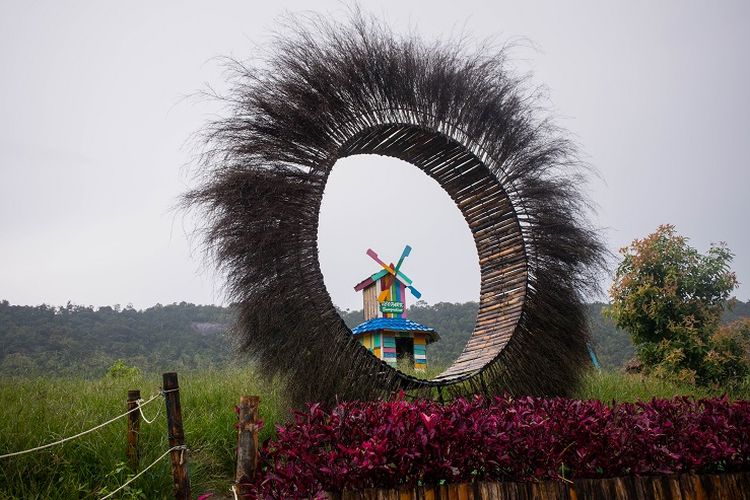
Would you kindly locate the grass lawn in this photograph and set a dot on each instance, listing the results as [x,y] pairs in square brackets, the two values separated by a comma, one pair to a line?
[35,411]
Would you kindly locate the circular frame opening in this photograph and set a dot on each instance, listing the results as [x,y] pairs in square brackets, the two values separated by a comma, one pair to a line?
[491,217]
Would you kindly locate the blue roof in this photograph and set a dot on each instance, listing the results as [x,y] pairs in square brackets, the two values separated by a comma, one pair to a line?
[392,324]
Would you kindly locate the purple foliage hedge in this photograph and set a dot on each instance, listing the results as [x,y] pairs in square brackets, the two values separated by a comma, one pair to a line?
[390,444]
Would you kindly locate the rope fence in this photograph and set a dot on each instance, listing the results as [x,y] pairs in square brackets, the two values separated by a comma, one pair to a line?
[141,403]
[176,436]
[124,485]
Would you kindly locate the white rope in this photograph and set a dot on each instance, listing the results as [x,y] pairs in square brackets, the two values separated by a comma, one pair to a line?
[173,448]
[141,403]
[234,492]
[80,433]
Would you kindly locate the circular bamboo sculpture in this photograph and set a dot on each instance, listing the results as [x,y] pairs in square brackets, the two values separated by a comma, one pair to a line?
[330,91]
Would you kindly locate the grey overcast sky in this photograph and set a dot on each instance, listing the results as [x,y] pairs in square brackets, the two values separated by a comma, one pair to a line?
[94,134]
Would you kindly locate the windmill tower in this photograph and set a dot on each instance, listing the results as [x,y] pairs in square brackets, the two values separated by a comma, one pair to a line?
[387,332]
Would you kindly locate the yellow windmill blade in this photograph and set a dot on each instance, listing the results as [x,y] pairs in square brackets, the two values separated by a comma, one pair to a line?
[386,293]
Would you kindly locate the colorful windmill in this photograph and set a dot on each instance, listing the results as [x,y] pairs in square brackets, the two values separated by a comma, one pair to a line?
[393,284]
[386,332]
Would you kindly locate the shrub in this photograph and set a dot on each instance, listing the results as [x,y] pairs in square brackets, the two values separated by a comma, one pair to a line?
[728,358]
[670,298]
[120,369]
[360,445]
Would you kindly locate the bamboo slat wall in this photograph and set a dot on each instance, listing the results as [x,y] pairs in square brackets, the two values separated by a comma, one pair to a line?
[734,486]
[370,302]
[491,218]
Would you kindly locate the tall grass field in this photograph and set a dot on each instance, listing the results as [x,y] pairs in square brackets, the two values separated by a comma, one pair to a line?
[35,411]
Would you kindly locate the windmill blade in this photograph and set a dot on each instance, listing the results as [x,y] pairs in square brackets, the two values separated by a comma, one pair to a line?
[385,294]
[417,294]
[404,254]
[403,278]
[371,253]
[379,274]
[388,268]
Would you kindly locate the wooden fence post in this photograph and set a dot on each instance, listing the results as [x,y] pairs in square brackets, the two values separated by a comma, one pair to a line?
[181,481]
[134,427]
[247,441]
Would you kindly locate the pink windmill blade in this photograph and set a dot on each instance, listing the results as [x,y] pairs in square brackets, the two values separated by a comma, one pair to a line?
[405,279]
[395,271]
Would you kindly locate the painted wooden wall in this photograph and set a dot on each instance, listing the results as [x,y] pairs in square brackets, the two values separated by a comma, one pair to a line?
[370,302]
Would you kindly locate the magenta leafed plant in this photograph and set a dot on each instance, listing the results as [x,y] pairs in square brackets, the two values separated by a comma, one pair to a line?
[400,443]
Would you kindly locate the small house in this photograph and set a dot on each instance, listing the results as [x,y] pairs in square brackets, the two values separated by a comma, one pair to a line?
[386,331]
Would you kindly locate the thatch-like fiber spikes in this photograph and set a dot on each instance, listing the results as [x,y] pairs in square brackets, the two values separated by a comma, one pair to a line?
[330,90]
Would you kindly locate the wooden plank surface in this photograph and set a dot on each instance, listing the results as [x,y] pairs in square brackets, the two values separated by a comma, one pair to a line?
[733,486]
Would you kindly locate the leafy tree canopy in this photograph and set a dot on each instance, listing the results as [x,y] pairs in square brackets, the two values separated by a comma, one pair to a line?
[671,298]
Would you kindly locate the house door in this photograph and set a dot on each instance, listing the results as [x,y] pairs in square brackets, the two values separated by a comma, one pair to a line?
[405,351]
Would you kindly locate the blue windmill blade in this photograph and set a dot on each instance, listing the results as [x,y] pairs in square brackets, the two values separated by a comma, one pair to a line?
[417,294]
[385,266]
[404,254]
[407,283]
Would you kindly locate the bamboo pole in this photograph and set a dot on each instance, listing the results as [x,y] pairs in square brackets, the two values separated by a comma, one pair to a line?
[247,441]
[181,480]
[134,427]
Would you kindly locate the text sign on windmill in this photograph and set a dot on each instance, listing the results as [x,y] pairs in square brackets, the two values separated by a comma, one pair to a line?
[391,306]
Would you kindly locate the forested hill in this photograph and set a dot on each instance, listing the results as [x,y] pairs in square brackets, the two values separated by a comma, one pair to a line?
[86,341]
[82,340]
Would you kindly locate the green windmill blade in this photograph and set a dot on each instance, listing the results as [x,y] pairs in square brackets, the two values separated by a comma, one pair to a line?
[371,253]
[395,271]
[379,274]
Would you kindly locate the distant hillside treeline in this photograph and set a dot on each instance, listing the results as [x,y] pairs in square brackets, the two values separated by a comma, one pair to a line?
[82,340]
[79,340]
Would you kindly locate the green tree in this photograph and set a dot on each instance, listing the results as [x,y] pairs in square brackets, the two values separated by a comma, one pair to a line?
[120,369]
[728,358]
[671,298]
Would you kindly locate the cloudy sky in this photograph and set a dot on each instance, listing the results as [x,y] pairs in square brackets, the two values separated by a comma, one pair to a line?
[96,119]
